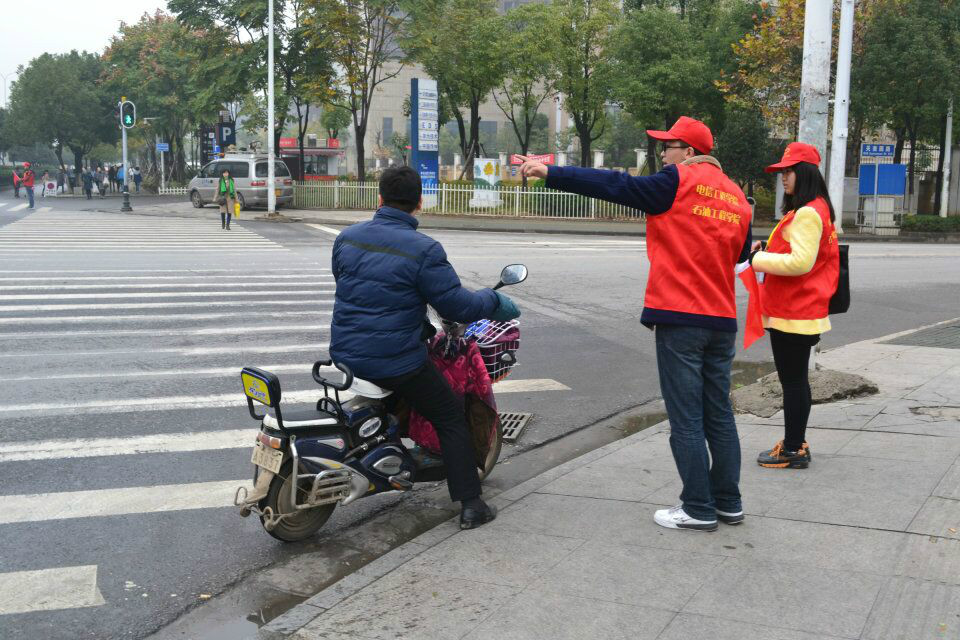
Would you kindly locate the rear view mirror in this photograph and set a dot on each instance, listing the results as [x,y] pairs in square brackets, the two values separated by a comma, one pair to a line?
[513,274]
[261,386]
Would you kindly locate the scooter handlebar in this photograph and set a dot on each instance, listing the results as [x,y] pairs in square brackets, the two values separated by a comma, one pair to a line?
[341,386]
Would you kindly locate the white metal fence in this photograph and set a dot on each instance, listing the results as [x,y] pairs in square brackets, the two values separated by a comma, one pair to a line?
[533,202]
[173,191]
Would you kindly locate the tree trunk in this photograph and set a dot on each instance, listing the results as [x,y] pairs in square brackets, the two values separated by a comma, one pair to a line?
[78,171]
[913,158]
[898,148]
[939,184]
[583,133]
[474,136]
[359,131]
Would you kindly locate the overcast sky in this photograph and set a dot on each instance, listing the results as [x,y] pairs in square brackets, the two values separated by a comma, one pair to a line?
[57,26]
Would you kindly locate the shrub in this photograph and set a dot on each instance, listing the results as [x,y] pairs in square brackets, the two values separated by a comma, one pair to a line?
[931,223]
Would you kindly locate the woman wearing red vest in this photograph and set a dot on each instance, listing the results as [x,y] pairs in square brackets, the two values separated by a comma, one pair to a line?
[802,264]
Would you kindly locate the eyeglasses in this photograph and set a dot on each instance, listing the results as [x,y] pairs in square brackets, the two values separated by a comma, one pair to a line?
[665,146]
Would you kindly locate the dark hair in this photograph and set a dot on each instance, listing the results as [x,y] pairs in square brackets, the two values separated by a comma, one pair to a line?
[400,188]
[809,186]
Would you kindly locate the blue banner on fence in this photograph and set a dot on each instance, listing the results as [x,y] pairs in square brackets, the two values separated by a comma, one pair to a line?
[891,182]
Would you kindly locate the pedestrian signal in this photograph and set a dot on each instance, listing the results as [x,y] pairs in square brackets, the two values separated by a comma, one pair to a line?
[128,114]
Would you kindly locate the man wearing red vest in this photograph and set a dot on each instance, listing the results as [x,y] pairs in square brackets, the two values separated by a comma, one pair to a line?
[27,182]
[698,229]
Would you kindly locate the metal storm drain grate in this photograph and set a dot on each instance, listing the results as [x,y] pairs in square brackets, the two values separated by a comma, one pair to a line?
[945,336]
[513,424]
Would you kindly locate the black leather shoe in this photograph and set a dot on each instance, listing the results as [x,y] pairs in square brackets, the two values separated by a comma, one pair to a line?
[473,517]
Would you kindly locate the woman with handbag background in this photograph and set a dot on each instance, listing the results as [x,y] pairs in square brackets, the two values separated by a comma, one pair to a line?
[802,264]
[226,196]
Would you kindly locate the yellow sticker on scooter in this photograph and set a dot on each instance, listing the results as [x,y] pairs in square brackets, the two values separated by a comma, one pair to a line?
[255,389]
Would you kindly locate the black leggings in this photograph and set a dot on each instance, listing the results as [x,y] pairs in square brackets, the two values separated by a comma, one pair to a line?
[429,393]
[791,355]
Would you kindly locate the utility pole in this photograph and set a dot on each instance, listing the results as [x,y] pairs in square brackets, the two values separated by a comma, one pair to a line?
[947,149]
[815,85]
[841,108]
[815,78]
[271,170]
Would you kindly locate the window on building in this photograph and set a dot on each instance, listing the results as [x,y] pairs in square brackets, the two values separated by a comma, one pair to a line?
[387,139]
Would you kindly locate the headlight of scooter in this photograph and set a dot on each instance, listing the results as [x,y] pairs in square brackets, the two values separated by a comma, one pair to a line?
[370,428]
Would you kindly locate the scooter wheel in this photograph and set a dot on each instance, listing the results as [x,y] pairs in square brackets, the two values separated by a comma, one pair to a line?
[301,524]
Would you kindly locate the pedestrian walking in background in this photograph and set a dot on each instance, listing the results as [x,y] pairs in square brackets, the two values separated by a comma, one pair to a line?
[43,187]
[802,265]
[698,229]
[226,196]
[27,181]
[112,177]
[137,177]
[102,179]
[88,183]
[16,184]
[120,179]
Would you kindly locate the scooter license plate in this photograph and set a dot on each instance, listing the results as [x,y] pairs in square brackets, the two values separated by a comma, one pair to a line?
[266,458]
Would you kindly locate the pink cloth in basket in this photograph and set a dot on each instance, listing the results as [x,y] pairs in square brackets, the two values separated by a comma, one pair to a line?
[466,374]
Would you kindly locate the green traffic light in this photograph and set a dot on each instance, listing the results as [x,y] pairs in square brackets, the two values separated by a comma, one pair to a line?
[128,119]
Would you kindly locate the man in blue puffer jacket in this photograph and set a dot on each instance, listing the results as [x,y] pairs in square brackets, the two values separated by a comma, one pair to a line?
[387,272]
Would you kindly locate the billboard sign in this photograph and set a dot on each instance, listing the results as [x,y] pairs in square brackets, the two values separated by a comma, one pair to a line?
[425,135]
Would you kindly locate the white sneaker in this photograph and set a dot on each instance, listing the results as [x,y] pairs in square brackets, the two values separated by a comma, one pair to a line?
[677,518]
[730,517]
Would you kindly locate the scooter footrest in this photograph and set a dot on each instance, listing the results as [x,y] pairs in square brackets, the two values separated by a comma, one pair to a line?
[329,487]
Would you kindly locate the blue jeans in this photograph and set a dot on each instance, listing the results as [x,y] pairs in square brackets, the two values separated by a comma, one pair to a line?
[30,195]
[694,366]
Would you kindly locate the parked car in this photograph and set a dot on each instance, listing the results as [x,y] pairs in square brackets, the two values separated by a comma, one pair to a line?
[250,179]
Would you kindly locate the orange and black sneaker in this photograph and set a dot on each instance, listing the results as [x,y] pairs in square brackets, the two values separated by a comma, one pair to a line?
[780,458]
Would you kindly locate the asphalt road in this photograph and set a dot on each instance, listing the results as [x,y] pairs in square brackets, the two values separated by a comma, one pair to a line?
[118,327]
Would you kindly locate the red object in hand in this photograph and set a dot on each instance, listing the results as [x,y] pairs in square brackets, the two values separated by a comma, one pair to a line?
[754,329]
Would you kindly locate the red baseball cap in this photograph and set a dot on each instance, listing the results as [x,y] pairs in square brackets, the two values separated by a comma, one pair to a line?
[693,132]
[795,153]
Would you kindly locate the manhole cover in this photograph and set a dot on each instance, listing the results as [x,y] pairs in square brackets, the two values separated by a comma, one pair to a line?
[513,424]
[944,336]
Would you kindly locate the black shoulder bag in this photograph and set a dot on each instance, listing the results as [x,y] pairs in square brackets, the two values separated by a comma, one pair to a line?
[840,301]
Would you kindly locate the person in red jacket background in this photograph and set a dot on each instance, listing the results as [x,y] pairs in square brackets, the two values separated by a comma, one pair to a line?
[27,181]
[698,229]
[802,263]
[16,184]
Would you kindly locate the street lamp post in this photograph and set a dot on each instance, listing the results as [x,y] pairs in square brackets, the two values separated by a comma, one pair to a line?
[271,170]
[5,76]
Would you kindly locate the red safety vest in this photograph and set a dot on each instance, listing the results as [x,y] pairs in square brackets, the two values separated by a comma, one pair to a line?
[27,179]
[693,247]
[805,297]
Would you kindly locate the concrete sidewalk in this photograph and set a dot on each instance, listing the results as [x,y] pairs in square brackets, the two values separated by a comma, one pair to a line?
[863,544]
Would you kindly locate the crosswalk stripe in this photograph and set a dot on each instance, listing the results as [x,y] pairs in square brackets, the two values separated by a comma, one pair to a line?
[154,443]
[162,305]
[232,371]
[167,403]
[159,285]
[195,272]
[330,230]
[207,331]
[44,209]
[159,294]
[112,318]
[19,207]
[49,589]
[186,351]
[40,507]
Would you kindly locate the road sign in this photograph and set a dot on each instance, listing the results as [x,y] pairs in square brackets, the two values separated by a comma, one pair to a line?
[216,148]
[872,150]
[163,147]
[891,180]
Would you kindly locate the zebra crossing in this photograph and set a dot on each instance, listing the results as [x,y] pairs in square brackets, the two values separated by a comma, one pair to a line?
[49,231]
[122,404]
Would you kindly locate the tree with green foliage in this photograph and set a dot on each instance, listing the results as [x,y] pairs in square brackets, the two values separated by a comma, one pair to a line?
[909,68]
[57,100]
[362,40]
[658,79]
[455,42]
[744,147]
[180,75]
[528,40]
[334,119]
[584,39]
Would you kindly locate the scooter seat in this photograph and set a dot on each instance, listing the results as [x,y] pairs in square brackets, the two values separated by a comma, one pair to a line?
[301,419]
[367,389]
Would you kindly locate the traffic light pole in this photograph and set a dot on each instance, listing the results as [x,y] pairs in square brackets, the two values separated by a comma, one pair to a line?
[126,176]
